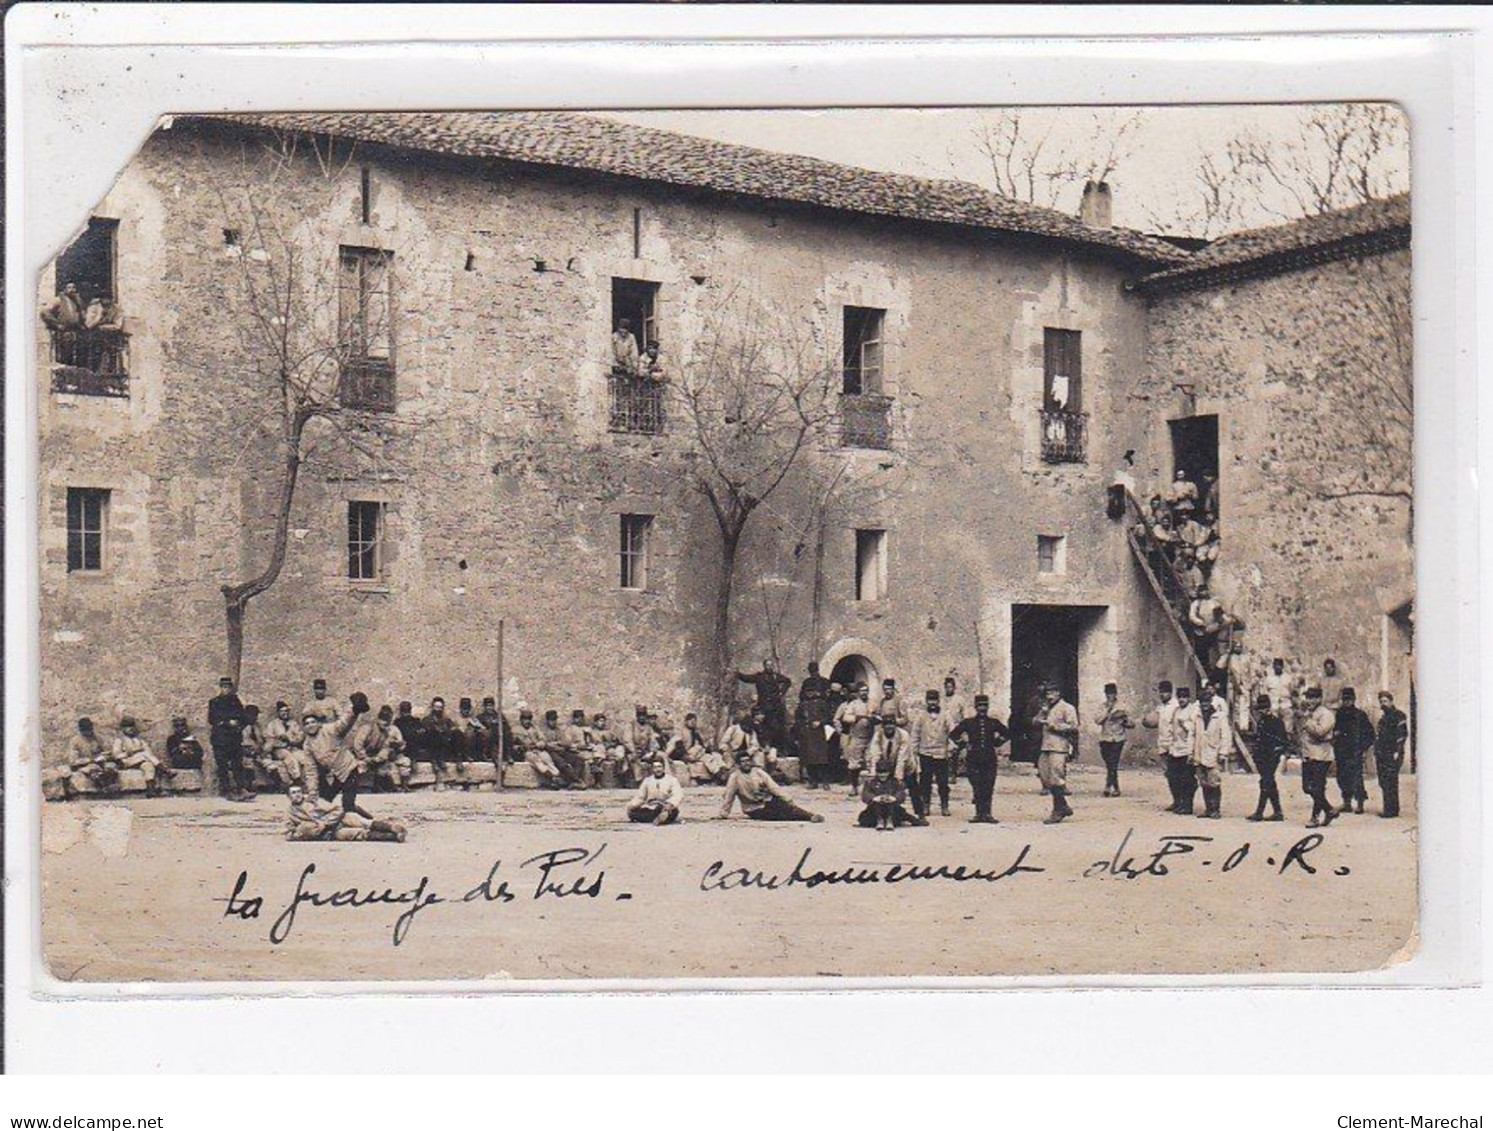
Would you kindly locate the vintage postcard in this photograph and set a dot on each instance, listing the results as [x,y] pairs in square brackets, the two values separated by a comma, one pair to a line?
[834,544]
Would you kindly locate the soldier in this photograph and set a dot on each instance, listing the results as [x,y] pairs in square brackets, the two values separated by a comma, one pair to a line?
[1271,744]
[86,755]
[321,706]
[183,751]
[891,703]
[659,796]
[570,764]
[810,722]
[1059,722]
[1389,752]
[1184,741]
[884,795]
[856,722]
[529,746]
[689,746]
[225,715]
[772,700]
[256,754]
[337,765]
[1161,721]
[439,740]
[1114,722]
[980,737]
[890,741]
[470,744]
[284,739]
[761,798]
[413,731]
[1352,738]
[385,753]
[1210,749]
[131,752]
[319,819]
[1316,756]
[930,740]
[495,748]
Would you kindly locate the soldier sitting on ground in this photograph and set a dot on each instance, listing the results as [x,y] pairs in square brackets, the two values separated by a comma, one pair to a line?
[885,797]
[659,796]
[311,818]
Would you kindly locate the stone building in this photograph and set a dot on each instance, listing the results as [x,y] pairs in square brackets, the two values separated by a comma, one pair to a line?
[994,361]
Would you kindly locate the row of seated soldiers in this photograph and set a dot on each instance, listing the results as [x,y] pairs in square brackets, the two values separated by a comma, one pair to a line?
[576,754]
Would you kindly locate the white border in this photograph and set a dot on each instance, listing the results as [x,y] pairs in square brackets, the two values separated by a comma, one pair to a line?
[66,138]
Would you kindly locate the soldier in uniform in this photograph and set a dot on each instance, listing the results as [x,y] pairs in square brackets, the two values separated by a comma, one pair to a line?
[225,715]
[183,751]
[1210,749]
[856,722]
[772,700]
[1113,721]
[979,737]
[1058,721]
[1180,754]
[1389,752]
[1352,737]
[439,740]
[86,755]
[1271,744]
[930,739]
[321,706]
[815,710]
[495,731]
[1316,756]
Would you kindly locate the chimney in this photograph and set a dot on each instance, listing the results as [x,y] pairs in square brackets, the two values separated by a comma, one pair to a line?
[1096,209]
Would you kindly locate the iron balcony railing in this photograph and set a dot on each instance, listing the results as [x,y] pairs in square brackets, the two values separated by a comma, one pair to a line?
[91,361]
[865,420]
[1064,436]
[368,385]
[636,404]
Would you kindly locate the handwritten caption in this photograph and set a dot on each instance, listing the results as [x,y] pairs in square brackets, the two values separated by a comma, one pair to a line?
[576,874]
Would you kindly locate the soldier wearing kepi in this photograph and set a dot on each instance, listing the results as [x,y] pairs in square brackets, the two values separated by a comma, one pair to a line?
[1161,721]
[1271,744]
[321,706]
[1185,723]
[1389,752]
[1316,756]
[1352,738]
[1211,748]
[979,737]
[1114,722]
[930,740]
[226,717]
[1058,720]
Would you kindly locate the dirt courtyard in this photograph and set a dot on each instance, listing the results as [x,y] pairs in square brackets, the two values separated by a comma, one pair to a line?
[525,884]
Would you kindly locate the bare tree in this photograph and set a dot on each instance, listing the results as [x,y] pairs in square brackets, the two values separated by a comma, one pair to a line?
[757,396]
[1341,155]
[314,329]
[1032,158]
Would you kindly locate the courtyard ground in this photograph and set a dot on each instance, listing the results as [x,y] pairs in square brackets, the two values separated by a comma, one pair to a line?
[145,890]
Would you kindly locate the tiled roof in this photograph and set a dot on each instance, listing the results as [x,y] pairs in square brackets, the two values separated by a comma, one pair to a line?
[599,145]
[1377,225]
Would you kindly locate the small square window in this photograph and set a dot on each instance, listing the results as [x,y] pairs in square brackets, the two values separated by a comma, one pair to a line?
[1052,553]
[87,518]
[636,530]
[365,537]
[870,565]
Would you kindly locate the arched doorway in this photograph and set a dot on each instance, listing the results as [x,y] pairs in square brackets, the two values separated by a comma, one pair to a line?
[853,669]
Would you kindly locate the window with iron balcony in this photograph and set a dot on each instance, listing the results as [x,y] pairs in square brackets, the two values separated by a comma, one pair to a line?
[89,345]
[637,378]
[1064,423]
[365,320]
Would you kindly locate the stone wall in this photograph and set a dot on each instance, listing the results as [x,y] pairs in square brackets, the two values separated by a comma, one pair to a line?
[504,488]
[1312,577]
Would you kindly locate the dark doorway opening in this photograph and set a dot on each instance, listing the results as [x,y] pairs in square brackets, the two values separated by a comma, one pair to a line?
[1044,649]
[852,670]
[1195,448]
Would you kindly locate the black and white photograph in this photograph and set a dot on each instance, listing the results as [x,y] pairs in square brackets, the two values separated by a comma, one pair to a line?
[558,545]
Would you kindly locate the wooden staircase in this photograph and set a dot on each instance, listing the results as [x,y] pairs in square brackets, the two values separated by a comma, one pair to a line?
[1176,617]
